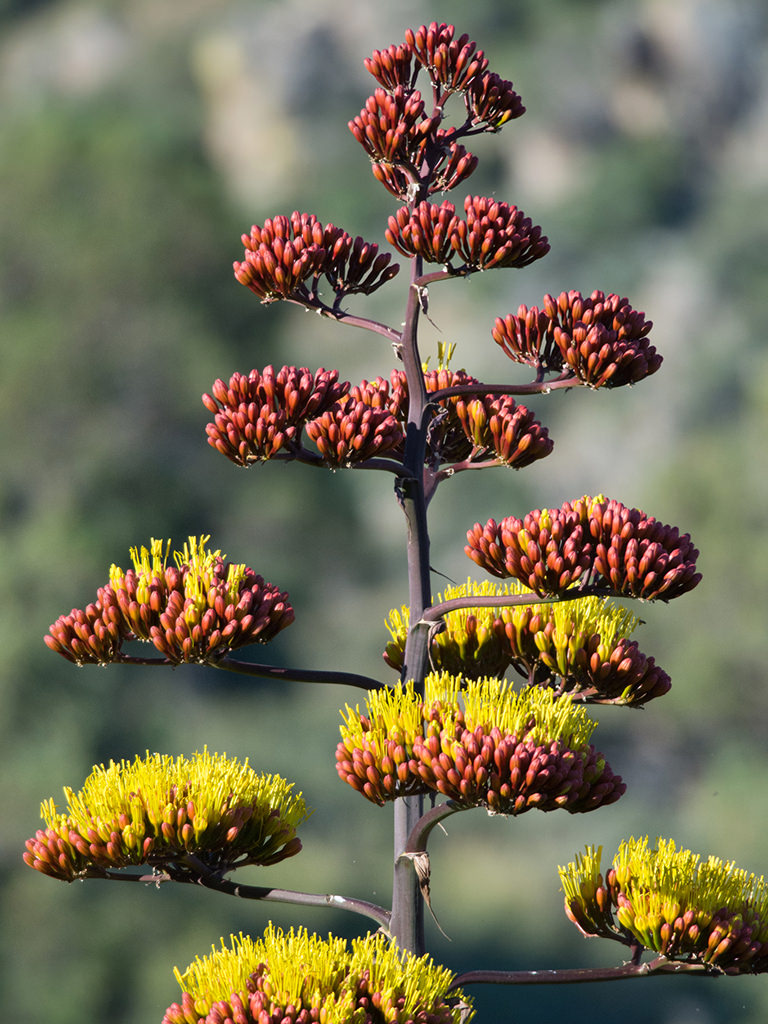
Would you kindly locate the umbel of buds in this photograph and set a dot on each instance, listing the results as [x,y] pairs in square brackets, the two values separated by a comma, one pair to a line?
[579,647]
[410,146]
[264,415]
[492,235]
[588,540]
[158,810]
[195,611]
[289,258]
[299,978]
[598,340]
[672,902]
[258,415]
[480,744]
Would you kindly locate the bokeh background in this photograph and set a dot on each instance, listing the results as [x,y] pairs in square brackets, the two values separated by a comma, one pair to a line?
[138,139]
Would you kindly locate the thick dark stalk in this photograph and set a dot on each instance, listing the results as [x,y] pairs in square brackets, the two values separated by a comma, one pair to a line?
[407,904]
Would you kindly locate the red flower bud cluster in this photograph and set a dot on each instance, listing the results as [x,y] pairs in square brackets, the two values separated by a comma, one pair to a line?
[451,63]
[407,147]
[358,427]
[91,635]
[481,767]
[640,557]
[477,426]
[590,539]
[392,125]
[286,257]
[392,67]
[188,616]
[491,100]
[511,775]
[600,339]
[494,234]
[264,413]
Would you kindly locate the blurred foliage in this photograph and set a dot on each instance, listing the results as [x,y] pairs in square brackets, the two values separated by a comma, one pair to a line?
[137,141]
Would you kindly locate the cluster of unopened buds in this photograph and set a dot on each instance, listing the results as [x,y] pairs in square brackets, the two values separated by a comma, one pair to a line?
[160,810]
[482,745]
[492,234]
[289,257]
[262,416]
[195,611]
[368,981]
[405,143]
[599,340]
[590,540]
[670,901]
[578,647]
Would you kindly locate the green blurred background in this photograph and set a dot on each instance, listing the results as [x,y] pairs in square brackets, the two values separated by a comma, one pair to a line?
[137,141]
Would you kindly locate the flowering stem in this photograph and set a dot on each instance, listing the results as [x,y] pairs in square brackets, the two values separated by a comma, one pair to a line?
[289,675]
[573,975]
[350,319]
[210,880]
[542,387]
[417,840]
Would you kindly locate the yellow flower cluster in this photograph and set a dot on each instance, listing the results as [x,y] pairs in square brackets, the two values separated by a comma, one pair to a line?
[479,743]
[581,644]
[673,902]
[326,980]
[158,809]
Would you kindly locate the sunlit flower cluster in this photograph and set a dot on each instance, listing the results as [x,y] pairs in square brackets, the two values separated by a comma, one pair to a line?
[157,810]
[588,540]
[258,415]
[288,257]
[478,427]
[265,415]
[492,234]
[480,744]
[194,611]
[578,647]
[408,144]
[600,340]
[672,902]
[296,977]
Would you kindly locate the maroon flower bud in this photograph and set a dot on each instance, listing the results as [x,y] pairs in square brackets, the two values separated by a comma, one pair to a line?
[492,100]
[427,231]
[639,556]
[391,126]
[285,258]
[496,234]
[601,339]
[257,416]
[451,63]
[353,431]
[497,424]
[392,67]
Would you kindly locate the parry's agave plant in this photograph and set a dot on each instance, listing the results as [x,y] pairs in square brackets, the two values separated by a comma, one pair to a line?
[490,709]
